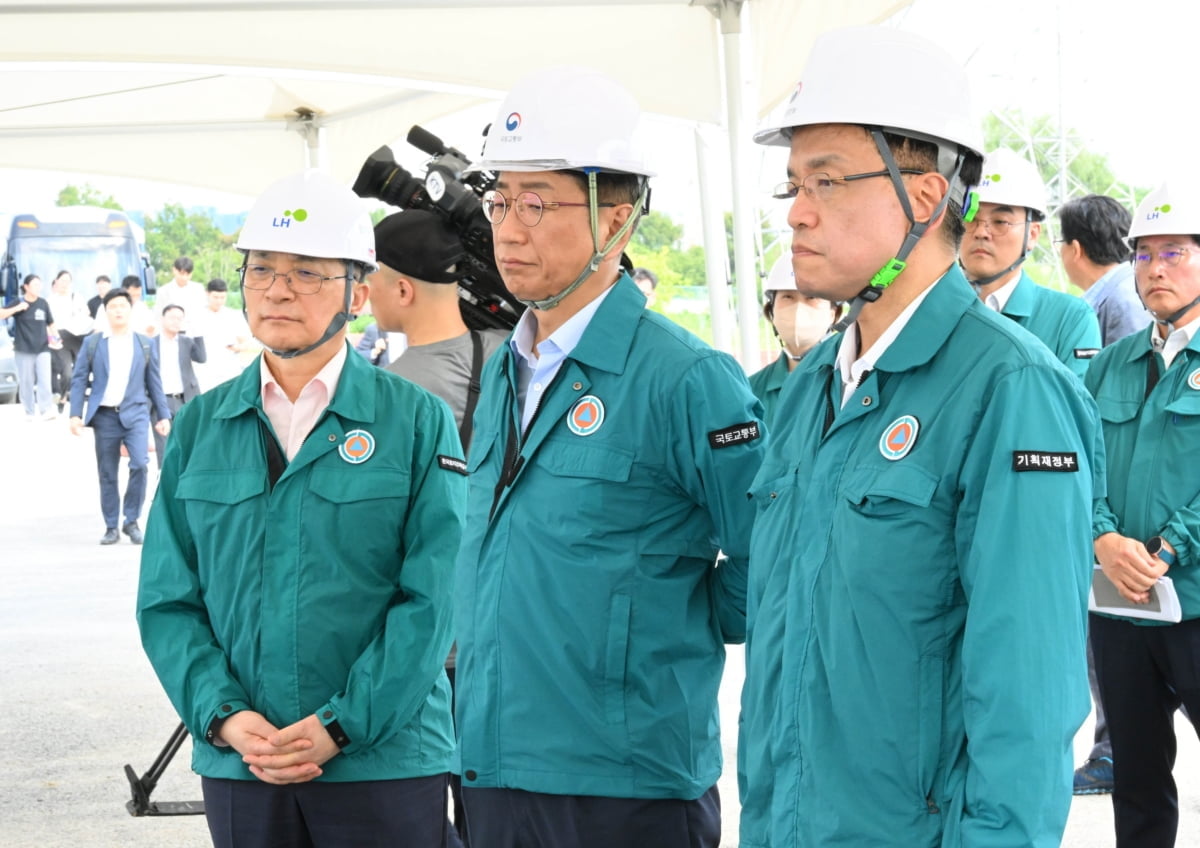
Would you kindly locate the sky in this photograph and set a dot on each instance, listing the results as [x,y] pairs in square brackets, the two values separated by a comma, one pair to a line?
[1119,73]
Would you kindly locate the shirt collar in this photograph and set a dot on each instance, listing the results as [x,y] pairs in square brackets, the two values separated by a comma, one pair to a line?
[327,378]
[1110,280]
[563,340]
[1179,339]
[851,365]
[997,300]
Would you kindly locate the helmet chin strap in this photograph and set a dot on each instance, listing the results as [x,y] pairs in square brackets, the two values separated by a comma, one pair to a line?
[1169,320]
[332,330]
[887,275]
[598,252]
[1020,260]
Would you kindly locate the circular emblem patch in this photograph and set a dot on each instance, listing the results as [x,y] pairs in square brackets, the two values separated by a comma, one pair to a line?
[357,447]
[900,436]
[586,416]
[1194,379]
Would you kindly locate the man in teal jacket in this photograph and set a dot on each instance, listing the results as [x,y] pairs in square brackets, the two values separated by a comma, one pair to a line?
[1012,207]
[610,462]
[295,586]
[799,323]
[921,553]
[1147,386]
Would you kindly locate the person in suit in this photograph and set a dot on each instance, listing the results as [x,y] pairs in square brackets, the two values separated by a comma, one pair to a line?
[122,371]
[176,351]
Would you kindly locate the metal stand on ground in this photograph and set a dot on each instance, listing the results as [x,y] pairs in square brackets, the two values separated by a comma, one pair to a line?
[141,805]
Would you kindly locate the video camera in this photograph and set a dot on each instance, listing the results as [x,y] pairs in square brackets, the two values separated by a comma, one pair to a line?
[455,195]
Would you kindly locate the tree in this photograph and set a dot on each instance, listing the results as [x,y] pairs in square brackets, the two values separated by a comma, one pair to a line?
[85,195]
[175,232]
[656,231]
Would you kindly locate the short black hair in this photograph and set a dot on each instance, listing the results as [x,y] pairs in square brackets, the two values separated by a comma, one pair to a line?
[1100,225]
[29,278]
[647,275]
[131,281]
[217,284]
[171,306]
[184,264]
[922,155]
[115,293]
[612,187]
[104,278]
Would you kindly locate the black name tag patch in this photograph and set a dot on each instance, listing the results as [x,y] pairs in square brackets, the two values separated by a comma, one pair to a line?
[735,435]
[1086,352]
[451,463]
[1044,461]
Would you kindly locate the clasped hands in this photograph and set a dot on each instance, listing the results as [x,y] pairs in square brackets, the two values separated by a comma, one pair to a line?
[293,754]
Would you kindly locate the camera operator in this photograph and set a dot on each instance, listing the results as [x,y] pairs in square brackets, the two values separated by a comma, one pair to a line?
[415,292]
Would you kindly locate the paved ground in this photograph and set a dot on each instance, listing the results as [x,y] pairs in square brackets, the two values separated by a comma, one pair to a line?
[78,699]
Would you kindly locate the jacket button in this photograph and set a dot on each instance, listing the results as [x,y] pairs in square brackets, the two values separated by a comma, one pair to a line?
[333,437]
[329,714]
[577,386]
[866,401]
[470,774]
[225,708]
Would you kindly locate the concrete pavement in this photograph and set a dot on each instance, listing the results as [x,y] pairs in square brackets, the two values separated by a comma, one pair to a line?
[78,699]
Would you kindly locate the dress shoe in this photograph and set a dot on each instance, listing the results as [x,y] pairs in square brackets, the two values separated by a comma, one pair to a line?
[110,537]
[133,532]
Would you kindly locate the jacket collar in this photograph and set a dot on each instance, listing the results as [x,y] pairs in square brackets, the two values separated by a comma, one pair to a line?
[1023,300]
[609,337]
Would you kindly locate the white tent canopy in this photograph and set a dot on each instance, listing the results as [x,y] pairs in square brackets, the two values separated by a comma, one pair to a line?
[232,94]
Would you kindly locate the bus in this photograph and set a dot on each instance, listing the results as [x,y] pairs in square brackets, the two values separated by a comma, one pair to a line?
[86,240]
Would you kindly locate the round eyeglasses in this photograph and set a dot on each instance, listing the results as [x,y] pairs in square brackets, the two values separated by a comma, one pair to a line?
[299,280]
[529,207]
[1170,257]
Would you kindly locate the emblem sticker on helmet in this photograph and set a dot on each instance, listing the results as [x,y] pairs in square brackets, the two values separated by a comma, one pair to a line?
[357,447]
[586,416]
[899,437]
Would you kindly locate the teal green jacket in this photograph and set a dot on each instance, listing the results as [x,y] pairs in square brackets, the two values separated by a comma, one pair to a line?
[767,383]
[329,594]
[918,593]
[591,610]
[1063,322]
[1153,447]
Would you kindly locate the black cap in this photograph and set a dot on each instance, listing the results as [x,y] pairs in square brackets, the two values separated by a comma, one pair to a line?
[418,244]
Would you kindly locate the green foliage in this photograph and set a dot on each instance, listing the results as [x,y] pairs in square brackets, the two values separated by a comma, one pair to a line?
[654,232]
[175,232]
[85,195]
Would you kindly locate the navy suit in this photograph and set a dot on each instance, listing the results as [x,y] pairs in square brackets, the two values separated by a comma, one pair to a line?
[127,423]
[191,349]
[366,346]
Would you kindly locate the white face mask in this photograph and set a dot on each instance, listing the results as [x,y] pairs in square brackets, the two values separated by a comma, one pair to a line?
[811,324]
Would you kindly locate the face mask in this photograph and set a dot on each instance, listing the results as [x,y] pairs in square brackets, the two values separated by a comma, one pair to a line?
[810,325]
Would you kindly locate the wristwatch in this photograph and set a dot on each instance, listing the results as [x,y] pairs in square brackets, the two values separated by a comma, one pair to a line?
[1157,546]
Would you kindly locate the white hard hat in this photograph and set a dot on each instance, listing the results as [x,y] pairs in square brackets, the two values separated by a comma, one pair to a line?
[311,214]
[565,118]
[782,277]
[878,76]
[1172,209]
[1009,179]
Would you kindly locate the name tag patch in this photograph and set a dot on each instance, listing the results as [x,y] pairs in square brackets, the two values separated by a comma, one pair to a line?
[450,463]
[1044,461]
[1086,352]
[735,435]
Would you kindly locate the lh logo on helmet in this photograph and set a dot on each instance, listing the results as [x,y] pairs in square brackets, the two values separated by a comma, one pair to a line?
[586,416]
[299,216]
[899,437]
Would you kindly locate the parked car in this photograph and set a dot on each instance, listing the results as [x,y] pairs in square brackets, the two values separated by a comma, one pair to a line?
[8,368]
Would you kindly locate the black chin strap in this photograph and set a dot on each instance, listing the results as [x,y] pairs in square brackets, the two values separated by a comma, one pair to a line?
[886,275]
[1017,263]
[1169,320]
[332,330]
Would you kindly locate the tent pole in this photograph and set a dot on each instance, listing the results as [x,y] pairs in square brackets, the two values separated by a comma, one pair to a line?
[744,219]
[716,259]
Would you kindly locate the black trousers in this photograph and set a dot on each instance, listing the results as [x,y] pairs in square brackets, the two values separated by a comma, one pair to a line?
[1145,674]
[367,814]
[512,818]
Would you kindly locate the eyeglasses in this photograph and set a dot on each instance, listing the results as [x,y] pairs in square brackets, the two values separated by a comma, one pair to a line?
[819,186]
[528,205]
[995,226]
[1170,257]
[299,280]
